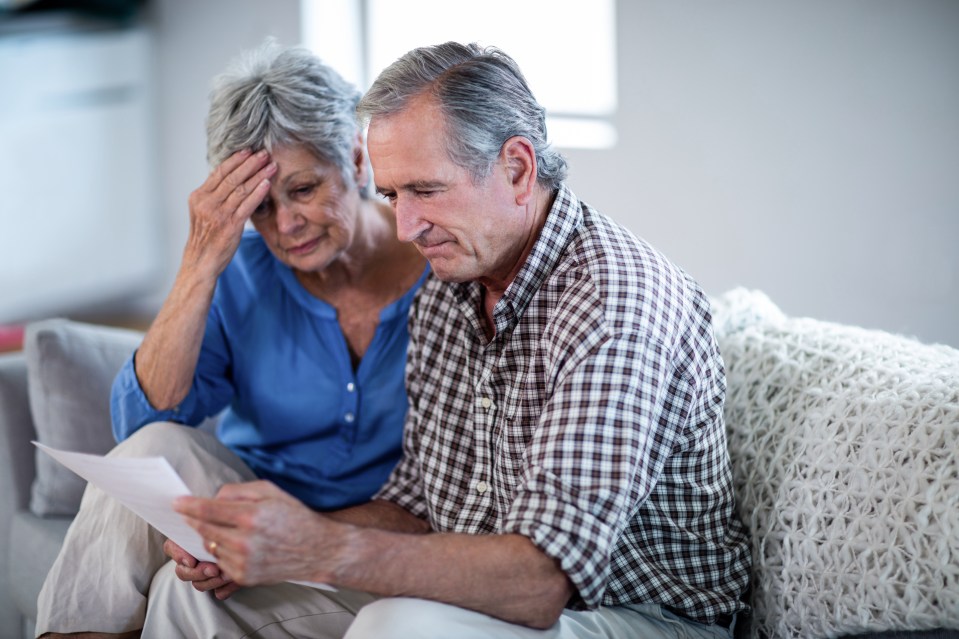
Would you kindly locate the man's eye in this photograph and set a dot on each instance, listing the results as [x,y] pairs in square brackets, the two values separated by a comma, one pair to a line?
[425,194]
[304,191]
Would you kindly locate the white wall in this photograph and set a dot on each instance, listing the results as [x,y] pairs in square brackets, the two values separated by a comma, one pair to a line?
[77,165]
[806,148]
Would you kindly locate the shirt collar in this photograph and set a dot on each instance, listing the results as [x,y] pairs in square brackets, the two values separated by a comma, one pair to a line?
[563,220]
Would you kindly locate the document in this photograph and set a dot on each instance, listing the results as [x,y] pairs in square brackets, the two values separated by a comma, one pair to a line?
[147,486]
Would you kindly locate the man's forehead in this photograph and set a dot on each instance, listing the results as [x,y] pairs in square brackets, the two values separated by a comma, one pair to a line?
[407,150]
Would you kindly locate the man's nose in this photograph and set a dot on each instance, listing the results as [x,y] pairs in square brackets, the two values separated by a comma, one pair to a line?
[409,221]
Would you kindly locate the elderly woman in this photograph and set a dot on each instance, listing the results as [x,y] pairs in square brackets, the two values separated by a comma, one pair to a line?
[296,329]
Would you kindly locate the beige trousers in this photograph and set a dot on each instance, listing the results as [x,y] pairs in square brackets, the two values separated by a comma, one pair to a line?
[109,557]
[287,611]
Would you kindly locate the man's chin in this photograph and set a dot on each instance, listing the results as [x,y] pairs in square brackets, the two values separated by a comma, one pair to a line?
[446,271]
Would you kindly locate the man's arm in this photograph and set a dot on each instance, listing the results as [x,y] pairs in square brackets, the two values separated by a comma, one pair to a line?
[264,535]
[381,514]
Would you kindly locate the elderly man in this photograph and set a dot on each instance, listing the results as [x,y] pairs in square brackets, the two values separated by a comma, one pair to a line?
[565,471]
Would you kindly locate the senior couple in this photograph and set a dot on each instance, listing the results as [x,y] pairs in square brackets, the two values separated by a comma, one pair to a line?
[475,406]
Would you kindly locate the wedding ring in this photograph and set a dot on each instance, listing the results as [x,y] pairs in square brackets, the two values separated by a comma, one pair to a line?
[212,546]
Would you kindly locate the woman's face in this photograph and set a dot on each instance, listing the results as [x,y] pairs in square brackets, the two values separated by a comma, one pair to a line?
[309,217]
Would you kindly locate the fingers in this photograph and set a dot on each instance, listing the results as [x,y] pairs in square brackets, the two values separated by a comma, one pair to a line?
[223,592]
[217,513]
[231,171]
[178,555]
[204,577]
[250,491]
[225,168]
[232,192]
[240,177]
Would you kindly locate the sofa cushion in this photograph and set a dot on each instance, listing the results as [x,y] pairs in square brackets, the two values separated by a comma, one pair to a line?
[845,451]
[70,369]
[37,542]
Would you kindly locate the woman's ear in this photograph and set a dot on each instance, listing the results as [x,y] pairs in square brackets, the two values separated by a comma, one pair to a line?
[361,168]
[519,158]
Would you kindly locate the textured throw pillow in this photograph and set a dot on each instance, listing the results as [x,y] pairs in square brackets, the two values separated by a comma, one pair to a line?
[845,451]
[70,369]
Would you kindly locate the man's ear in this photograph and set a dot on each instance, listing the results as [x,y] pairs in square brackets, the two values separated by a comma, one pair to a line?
[361,168]
[519,158]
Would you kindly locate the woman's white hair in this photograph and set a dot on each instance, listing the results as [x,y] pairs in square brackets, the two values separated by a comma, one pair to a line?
[273,96]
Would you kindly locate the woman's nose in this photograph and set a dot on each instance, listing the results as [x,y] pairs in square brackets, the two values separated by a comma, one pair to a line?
[288,219]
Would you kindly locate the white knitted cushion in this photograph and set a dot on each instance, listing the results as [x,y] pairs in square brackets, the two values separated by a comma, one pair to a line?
[845,451]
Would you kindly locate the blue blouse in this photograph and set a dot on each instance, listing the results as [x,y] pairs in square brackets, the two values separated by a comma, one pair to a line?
[296,410]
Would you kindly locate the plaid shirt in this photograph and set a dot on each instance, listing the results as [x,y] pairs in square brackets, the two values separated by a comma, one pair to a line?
[591,424]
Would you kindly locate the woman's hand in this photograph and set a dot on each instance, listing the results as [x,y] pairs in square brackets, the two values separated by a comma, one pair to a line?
[222,205]
[203,575]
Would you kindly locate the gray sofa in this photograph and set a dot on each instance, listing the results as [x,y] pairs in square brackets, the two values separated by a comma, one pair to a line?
[844,444]
[56,391]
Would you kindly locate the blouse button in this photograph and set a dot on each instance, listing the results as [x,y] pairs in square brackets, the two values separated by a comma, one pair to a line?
[350,387]
[482,487]
[486,402]
[349,417]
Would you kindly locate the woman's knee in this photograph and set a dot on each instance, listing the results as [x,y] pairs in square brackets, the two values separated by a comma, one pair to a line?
[156,439]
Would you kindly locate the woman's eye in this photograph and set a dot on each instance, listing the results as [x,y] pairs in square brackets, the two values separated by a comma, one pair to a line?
[303,191]
[262,211]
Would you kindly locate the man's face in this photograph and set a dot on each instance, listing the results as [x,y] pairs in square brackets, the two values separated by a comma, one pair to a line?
[467,231]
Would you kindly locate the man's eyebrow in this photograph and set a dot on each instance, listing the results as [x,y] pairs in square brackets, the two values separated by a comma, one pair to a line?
[416,185]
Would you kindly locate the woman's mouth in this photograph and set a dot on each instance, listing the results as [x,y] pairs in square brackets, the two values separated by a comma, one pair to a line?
[305,247]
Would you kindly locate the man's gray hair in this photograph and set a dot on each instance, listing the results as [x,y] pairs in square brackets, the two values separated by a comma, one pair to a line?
[484,97]
[273,96]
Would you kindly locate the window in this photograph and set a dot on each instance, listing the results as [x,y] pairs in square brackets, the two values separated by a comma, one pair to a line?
[566,49]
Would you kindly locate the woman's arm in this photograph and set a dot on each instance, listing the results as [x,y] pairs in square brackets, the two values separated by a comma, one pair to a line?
[166,360]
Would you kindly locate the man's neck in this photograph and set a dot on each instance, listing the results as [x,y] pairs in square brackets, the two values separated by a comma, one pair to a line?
[495,287]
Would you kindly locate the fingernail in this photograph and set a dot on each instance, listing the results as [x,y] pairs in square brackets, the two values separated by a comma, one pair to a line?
[210,572]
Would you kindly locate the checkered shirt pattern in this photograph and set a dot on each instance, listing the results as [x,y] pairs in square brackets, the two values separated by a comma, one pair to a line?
[592,423]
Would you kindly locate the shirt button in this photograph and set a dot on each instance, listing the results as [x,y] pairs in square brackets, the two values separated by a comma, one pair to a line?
[350,387]
[486,402]
[482,487]
[349,417]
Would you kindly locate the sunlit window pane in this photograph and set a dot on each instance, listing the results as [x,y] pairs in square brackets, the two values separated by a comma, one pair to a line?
[566,49]
[333,29]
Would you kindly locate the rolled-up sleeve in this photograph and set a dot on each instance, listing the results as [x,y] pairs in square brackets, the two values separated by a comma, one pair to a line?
[210,391]
[598,450]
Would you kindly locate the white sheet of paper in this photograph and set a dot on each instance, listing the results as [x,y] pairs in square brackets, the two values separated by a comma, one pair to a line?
[147,486]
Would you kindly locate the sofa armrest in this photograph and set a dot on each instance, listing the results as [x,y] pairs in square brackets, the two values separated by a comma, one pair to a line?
[17,468]
[17,465]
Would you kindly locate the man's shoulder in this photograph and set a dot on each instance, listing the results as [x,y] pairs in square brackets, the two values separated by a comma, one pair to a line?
[637,288]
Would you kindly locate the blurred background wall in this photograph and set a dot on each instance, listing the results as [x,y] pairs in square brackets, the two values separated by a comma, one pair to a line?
[806,148]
